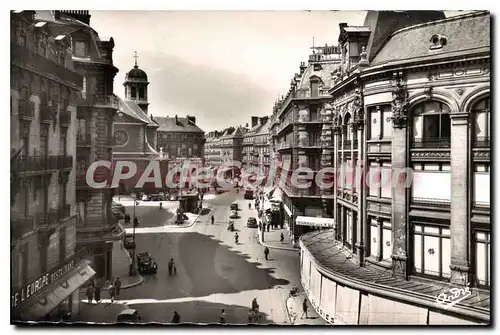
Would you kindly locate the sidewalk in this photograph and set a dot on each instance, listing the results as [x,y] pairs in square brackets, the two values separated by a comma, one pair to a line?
[294,310]
[272,240]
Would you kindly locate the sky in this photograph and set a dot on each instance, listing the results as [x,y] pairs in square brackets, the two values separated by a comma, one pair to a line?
[220,66]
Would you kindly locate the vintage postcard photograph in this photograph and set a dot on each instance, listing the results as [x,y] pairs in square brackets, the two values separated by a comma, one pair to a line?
[307,167]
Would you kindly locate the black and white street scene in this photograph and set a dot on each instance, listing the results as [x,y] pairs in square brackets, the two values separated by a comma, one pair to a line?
[285,168]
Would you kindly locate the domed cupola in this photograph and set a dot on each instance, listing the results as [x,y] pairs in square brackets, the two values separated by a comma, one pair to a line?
[136,86]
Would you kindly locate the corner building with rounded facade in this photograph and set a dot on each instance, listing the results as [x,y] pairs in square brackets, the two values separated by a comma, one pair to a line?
[417,99]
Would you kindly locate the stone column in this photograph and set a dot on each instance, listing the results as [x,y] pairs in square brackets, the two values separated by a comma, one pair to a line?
[459,223]
[361,228]
[336,217]
[302,142]
[399,217]
[326,156]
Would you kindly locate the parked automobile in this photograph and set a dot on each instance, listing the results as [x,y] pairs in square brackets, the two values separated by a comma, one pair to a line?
[252,223]
[234,206]
[234,215]
[248,194]
[145,197]
[128,241]
[117,206]
[128,315]
[146,264]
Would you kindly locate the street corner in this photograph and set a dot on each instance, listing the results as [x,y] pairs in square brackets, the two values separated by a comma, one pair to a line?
[129,282]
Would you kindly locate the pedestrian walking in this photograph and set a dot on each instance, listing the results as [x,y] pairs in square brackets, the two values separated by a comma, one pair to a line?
[176,318]
[282,237]
[304,308]
[90,293]
[250,316]
[222,317]
[266,253]
[212,218]
[112,292]
[268,227]
[118,285]
[98,293]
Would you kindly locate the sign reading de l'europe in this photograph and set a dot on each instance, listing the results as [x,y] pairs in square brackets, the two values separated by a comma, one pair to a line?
[40,283]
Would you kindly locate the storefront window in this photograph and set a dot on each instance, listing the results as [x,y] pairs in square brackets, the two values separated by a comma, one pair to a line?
[431,249]
[483,260]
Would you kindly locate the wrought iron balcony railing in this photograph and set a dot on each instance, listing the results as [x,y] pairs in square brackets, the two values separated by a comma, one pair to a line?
[42,163]
[431,142]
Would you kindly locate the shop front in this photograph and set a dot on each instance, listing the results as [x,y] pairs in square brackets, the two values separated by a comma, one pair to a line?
[54,294]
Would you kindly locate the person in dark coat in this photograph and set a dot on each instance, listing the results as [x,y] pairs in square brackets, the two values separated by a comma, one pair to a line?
[304,308]
[90,293]
[98,292]
[282,237]
[266,253]
[176,318]
[213,219]
[118,284]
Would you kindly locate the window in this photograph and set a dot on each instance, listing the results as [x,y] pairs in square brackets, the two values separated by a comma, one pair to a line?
[62,193]
[380,239]
[481,196]
[23,264]
[84,88]
[133,92]
[348,228]
[44,141]
[62,244]
[483,259]
[141,92]
[431,125]
[431,250]
[80,48]
[82,213]
[438,175]
[63,143]
[314,88]
[380,180]
[81,166]
[348,132]
[482,123]
[43,254]
[24,139]
[82,129]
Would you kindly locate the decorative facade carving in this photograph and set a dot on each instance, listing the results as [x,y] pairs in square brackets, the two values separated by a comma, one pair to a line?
[460,91]
[482,155]
[399,102]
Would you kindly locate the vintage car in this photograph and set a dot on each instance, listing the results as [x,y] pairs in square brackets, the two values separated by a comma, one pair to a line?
[128,315]
[252,223]
[234,215]
[128,241]
[234,206]
[146,264]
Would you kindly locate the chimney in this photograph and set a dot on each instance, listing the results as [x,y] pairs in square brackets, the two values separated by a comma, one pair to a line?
[263,120]
[80,15]
[302,67]
[176,120]
[255,121]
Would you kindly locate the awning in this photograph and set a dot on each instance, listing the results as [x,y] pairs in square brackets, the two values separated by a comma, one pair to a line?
[277,195]
[314,221]
[57,293]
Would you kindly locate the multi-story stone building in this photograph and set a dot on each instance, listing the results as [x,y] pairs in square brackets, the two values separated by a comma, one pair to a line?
[179,137]
[212,152]
[135,132]
[231,149]
[414,97]
[296,128]
[46,272]
[255,148]
[96,108]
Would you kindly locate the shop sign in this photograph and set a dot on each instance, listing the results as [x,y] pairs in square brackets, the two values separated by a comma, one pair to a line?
[41,282]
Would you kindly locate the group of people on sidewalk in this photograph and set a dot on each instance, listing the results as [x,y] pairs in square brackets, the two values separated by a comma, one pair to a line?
[95,287]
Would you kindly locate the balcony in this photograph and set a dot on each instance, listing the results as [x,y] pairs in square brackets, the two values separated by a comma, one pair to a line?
[431,142]
[107,101]
[46,113]
[284,145]
[481,142]
[26,110]
[22,226]
[83,140]
[50,219]
[33,164]
[28,59]
[64,118]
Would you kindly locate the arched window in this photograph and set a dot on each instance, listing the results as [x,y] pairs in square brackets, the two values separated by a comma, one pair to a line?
[347,127]
[481,124]
[431,125]
[141,92]
[133,92]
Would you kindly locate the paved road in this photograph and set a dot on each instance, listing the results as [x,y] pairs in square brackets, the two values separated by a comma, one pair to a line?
[213,272]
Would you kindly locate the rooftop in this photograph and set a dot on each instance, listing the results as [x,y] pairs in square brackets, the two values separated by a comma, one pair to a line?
[176,124]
